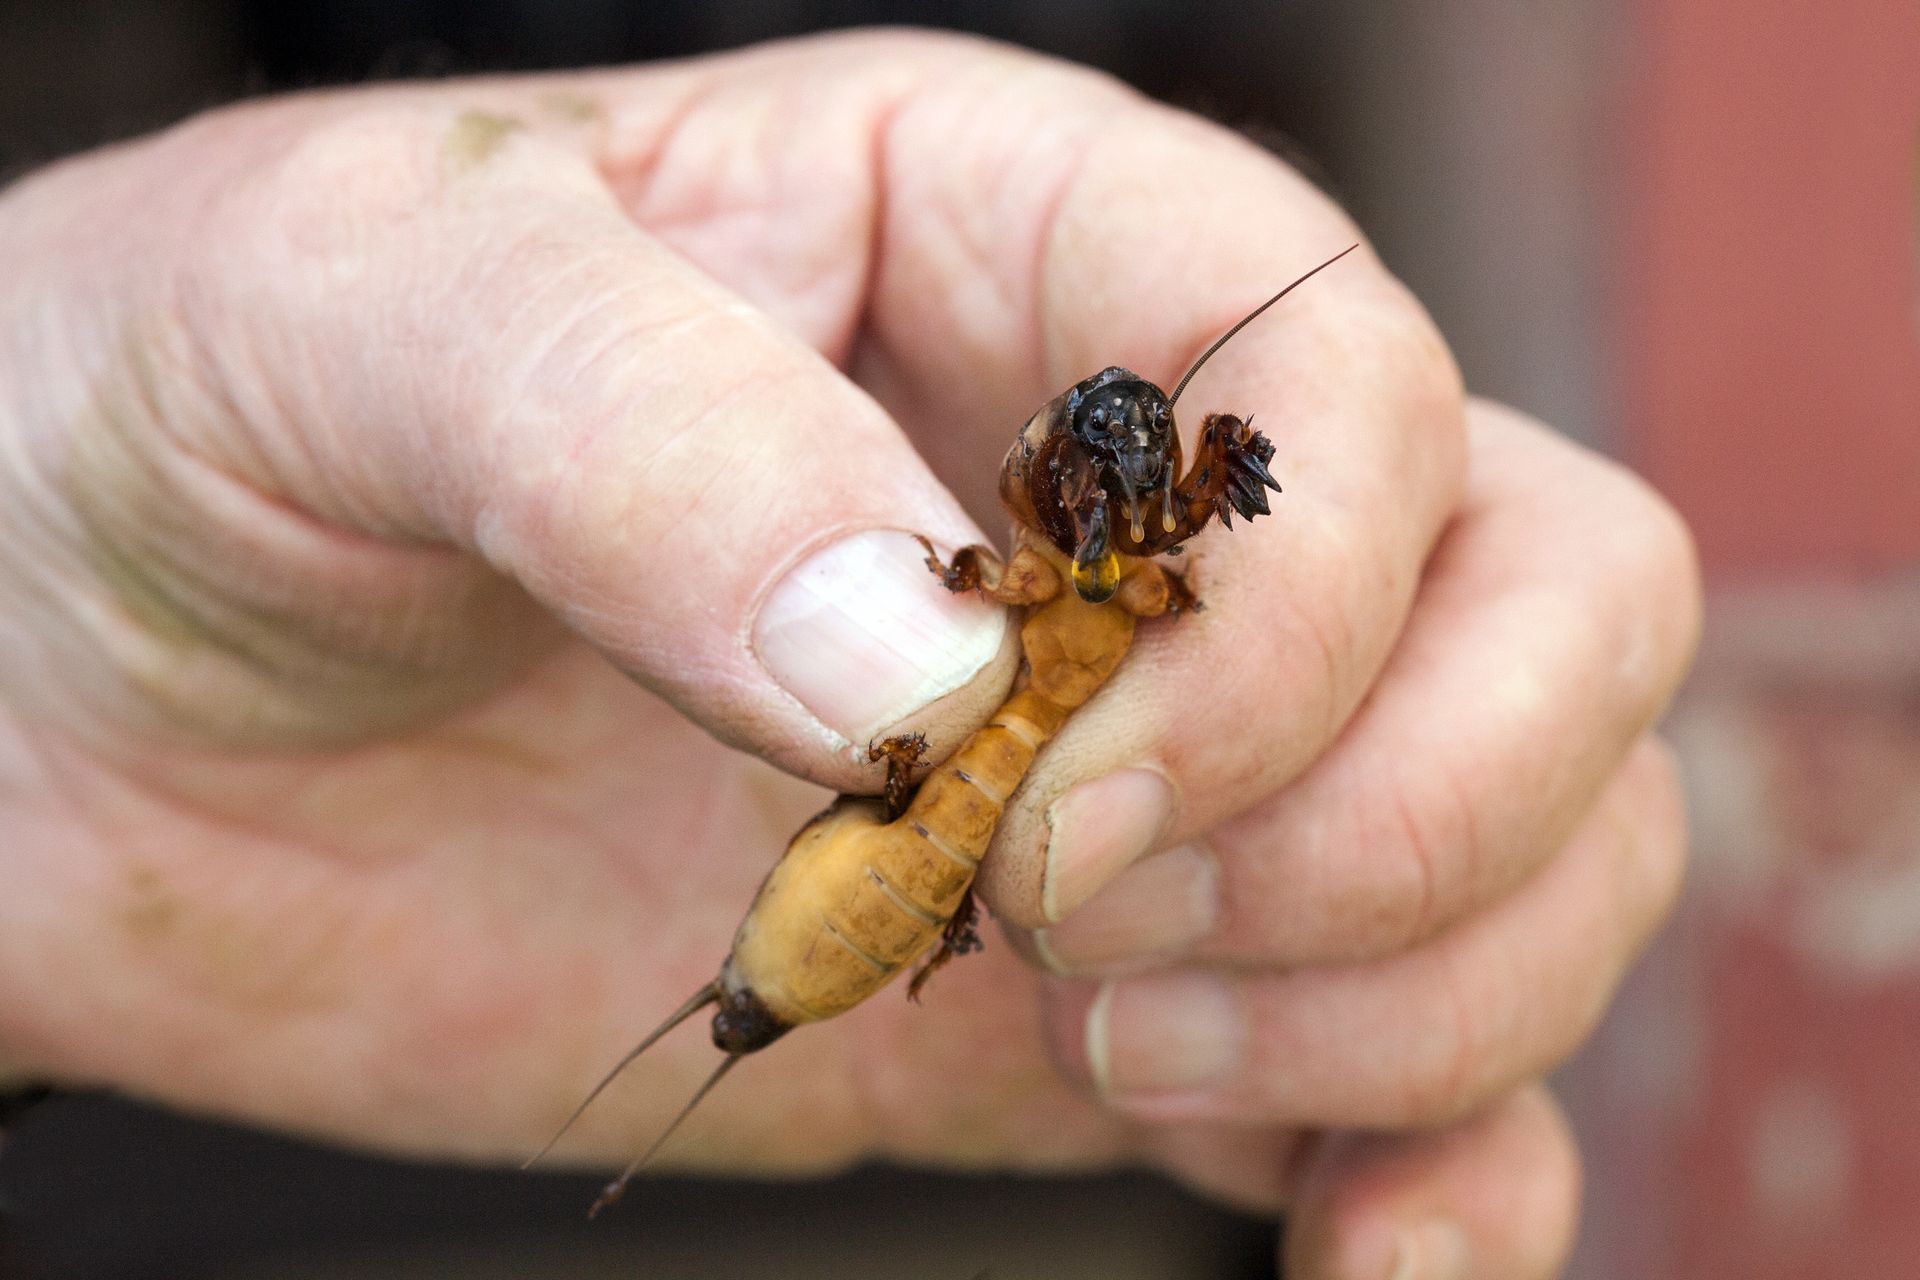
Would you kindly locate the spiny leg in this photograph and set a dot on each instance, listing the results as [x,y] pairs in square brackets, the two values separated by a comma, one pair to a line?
[974,568]
[961,937]
[1026,579]
[903,753]
[1229,472]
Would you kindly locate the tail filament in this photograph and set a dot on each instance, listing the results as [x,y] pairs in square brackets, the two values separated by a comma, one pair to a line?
[700,1000]
[612,1192]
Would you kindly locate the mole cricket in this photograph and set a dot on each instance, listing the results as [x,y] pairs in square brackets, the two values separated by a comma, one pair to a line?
[1094,486]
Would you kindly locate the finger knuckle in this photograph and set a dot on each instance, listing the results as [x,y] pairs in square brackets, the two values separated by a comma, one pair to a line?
[1399,350]
[355,147]
[941,54]
[1426,845]
[1660,546]
[1656,567]
[1412,348]
[1333,641]
[1660,849]
[312,186]
[1449,1078]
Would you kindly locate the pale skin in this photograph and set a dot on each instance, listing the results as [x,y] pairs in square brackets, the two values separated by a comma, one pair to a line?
[389,482]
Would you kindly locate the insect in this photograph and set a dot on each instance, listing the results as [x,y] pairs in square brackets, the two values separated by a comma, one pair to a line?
[1094,487]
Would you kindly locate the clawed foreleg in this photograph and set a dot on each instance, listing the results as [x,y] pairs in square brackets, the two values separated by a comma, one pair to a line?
[1229,472]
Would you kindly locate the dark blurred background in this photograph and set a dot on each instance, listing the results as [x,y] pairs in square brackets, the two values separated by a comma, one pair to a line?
[1469,138]
[1682,231]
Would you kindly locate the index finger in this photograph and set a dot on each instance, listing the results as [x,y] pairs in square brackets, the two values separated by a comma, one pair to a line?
[1150,233]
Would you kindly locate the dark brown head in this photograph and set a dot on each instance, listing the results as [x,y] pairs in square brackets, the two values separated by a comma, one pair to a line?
[1125,426]
[1096,470]
[1122,441]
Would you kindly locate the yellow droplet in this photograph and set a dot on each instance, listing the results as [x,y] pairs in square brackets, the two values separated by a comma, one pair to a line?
[1097,580]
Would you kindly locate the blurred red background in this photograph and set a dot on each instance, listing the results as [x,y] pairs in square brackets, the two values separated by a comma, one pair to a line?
[1753,1111]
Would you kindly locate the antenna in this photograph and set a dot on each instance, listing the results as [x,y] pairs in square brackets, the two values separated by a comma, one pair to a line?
[1251,316]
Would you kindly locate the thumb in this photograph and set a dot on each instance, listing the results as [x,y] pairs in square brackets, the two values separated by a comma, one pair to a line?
[502,359]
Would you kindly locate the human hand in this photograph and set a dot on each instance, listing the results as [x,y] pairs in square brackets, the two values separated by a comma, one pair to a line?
[351,434]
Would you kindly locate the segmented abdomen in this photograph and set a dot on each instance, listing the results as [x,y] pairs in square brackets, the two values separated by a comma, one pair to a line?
[857,898]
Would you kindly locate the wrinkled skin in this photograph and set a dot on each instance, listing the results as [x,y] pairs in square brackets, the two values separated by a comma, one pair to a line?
[390,480]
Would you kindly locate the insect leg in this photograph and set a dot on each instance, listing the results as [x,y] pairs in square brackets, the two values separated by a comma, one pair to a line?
[1228,474]
[1180,596]
[961,937]
[903,753]
[1027,579]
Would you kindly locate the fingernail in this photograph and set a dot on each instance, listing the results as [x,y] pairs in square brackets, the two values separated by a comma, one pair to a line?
[1153,911]
[1098,829]
[864,635]
[1375,1249]
[1153,1035]
[1434,1250]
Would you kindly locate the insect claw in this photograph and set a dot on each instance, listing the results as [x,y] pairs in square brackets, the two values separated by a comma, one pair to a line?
[1253,462]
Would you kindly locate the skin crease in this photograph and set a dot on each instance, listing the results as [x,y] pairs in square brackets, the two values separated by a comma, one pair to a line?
[359,635]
